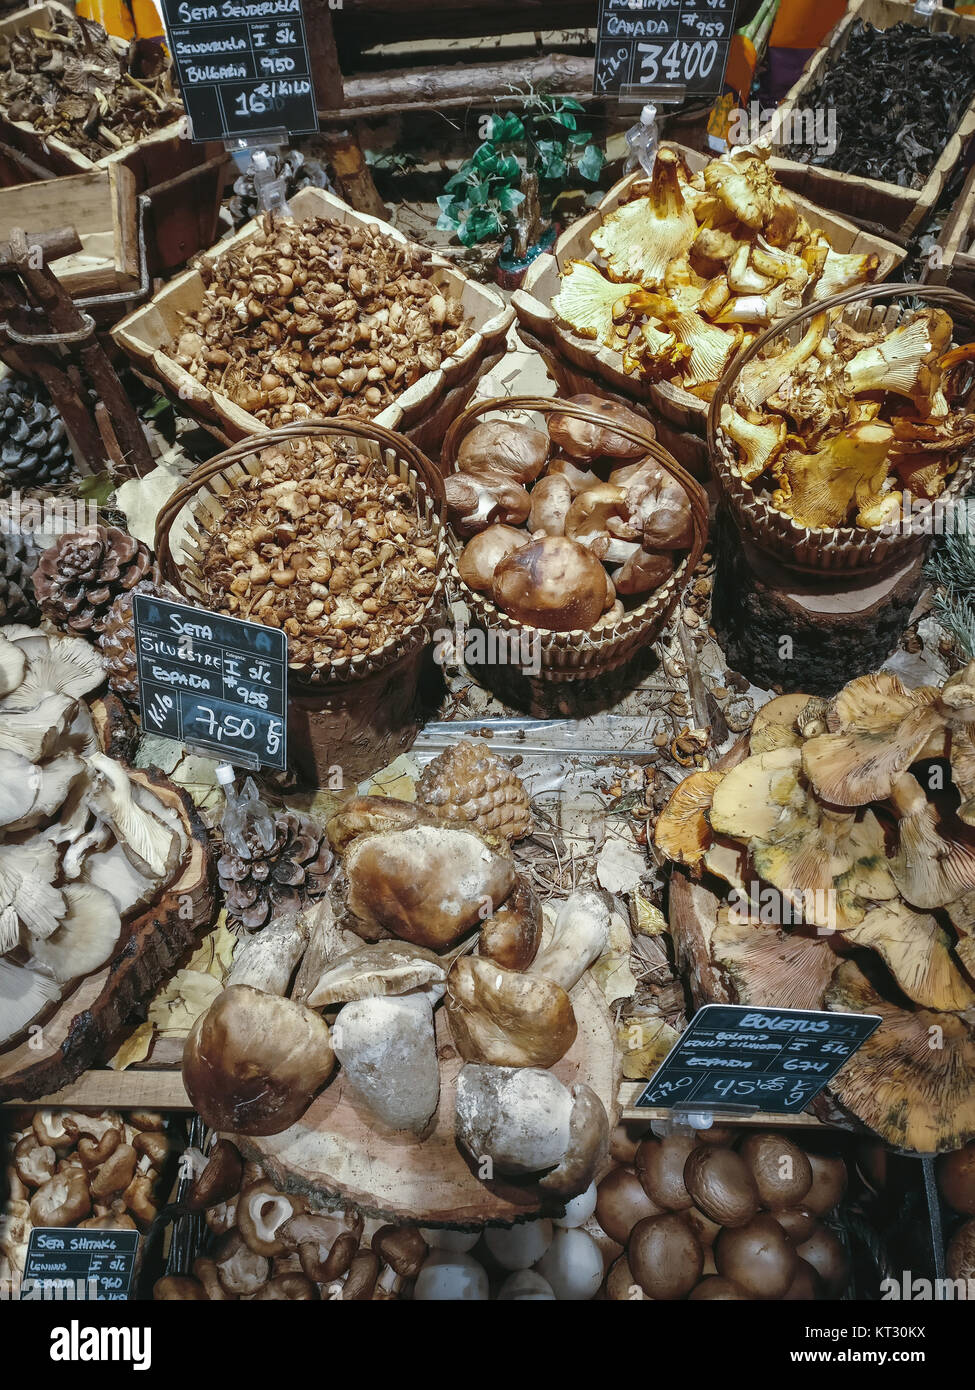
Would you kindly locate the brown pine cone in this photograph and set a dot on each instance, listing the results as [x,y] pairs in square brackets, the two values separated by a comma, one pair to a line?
[284,878]
[470,785]
[117,639]
[80,576]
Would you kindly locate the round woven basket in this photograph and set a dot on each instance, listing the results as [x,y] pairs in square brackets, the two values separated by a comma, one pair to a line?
[355,713]
[842,547]
[578,654]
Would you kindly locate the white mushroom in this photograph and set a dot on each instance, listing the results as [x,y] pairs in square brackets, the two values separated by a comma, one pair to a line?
[150,846]
[17,792]
[51,783]
[580,935]
[388,1051]
[27,873]
[572,1265]
[267,960]
[85,938]
[13,665]
[35,733]
[451,1277]
[69,666]
[519,1247]
[525,1286]
[24,992]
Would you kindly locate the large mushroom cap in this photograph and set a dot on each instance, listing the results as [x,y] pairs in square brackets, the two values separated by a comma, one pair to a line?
[917,952]
[771,968]
[915,1095]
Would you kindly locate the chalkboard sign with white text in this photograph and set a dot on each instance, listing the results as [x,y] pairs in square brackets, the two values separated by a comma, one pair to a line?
[734,1056]
[213,682]
[645,47]
[91,1264]
[243,67]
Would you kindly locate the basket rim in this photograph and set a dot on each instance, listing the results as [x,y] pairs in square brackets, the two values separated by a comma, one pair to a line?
[420,470]
[656,607]
[767,522]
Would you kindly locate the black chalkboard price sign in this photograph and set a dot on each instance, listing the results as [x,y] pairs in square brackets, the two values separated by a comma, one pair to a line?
[659,47]
[735,1057]
[215,683]
[92,1264]
[243,67]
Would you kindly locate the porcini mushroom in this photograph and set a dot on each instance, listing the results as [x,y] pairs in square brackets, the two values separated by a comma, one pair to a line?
[516,1116]
[378,969]
[388,1053]
[253,1061]
[482,554]
[552,583]
[511,936]
[580,935]
[505,1017]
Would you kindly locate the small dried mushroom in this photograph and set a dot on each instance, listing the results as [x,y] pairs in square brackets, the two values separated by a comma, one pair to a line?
[325,545]
[318,318]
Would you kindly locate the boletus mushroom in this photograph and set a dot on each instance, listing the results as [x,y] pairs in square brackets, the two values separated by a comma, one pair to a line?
[553,583]
[253,1062]
[505,1017]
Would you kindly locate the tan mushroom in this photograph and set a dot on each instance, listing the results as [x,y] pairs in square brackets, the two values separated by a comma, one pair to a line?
[505,1017]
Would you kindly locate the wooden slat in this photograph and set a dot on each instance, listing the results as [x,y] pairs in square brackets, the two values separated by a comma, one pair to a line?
[121,1090]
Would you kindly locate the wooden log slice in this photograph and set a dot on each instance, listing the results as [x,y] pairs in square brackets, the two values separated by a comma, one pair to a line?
[85,1027]
[337,1150]
[804,631]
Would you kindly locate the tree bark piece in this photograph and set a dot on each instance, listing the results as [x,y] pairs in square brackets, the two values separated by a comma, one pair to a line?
[85,1027]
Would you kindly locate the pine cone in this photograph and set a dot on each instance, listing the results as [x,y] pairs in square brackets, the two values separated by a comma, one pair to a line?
[81,575]
[469,784]
[17,562]
[117,640]
[34,448]
[291,874]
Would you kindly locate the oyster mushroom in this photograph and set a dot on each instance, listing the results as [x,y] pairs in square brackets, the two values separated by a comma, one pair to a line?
[27,898]
[13,667]
[388,1051]
[505,1017]
[85,937]
[68,666]
[36,732]
[152,847]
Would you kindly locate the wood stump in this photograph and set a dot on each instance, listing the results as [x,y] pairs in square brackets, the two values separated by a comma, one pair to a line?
[337,1150]
[802,630]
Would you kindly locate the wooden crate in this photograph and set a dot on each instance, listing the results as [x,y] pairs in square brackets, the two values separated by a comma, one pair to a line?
[533,302]
[873,200]
[957,245]
[49,151]
[101,206]
[423,411]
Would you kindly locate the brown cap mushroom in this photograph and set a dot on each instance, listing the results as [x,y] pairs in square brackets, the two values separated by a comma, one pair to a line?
[326,1242]
[115,1174]
[482,554]
[512,448]
[475,503]
[402,1248]
[551,500]
[292,1287]
[62,1201]
[262,1213]
[34,1162]
[253,1062]
[621,1202]
[178,1288]
[49,1128]
[511,936]
[585,442]
[205,1270]
[552,583]
[507,1018]
[220,1179]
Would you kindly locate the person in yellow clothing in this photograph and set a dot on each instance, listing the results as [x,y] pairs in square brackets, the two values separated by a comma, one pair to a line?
[126,19]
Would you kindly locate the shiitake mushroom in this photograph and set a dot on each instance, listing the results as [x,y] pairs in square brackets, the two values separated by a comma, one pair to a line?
[956,1179]
[721,1185]
[717,1289]
[660,1168]
[824,1252]
[511,447]
[483,553]
[621,1202]
[665,1256]
[781,1171]
[759,1257]
[829,1179]
[552,583]
[584,442]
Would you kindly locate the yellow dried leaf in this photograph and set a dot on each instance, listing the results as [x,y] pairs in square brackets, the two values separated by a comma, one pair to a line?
[135,1048]
[649,920]
[644,1043]
[188,995]
[215,952]
[613,975]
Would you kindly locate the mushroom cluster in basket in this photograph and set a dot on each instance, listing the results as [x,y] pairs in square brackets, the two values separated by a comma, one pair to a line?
[567,528]
[324,543]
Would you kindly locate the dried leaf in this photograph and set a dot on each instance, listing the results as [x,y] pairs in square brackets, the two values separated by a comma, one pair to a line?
[621,865]
[644,1043]
[648,920]
[188,995]
[135,1048]
[613,975]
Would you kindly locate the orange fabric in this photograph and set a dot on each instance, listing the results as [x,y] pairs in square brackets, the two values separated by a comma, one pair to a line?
[148,25]
[805,23]
[112,15]
[740,69]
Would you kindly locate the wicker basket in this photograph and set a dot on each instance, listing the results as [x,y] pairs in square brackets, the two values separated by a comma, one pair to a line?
[579,654]
[356,712]
[841,547]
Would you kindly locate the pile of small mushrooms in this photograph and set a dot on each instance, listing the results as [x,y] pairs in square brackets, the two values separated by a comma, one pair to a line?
[844,834]
[271,1245]
[81,843]
[78,1168]
[318,318]
[416,895]
[600,529]
[325,544]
